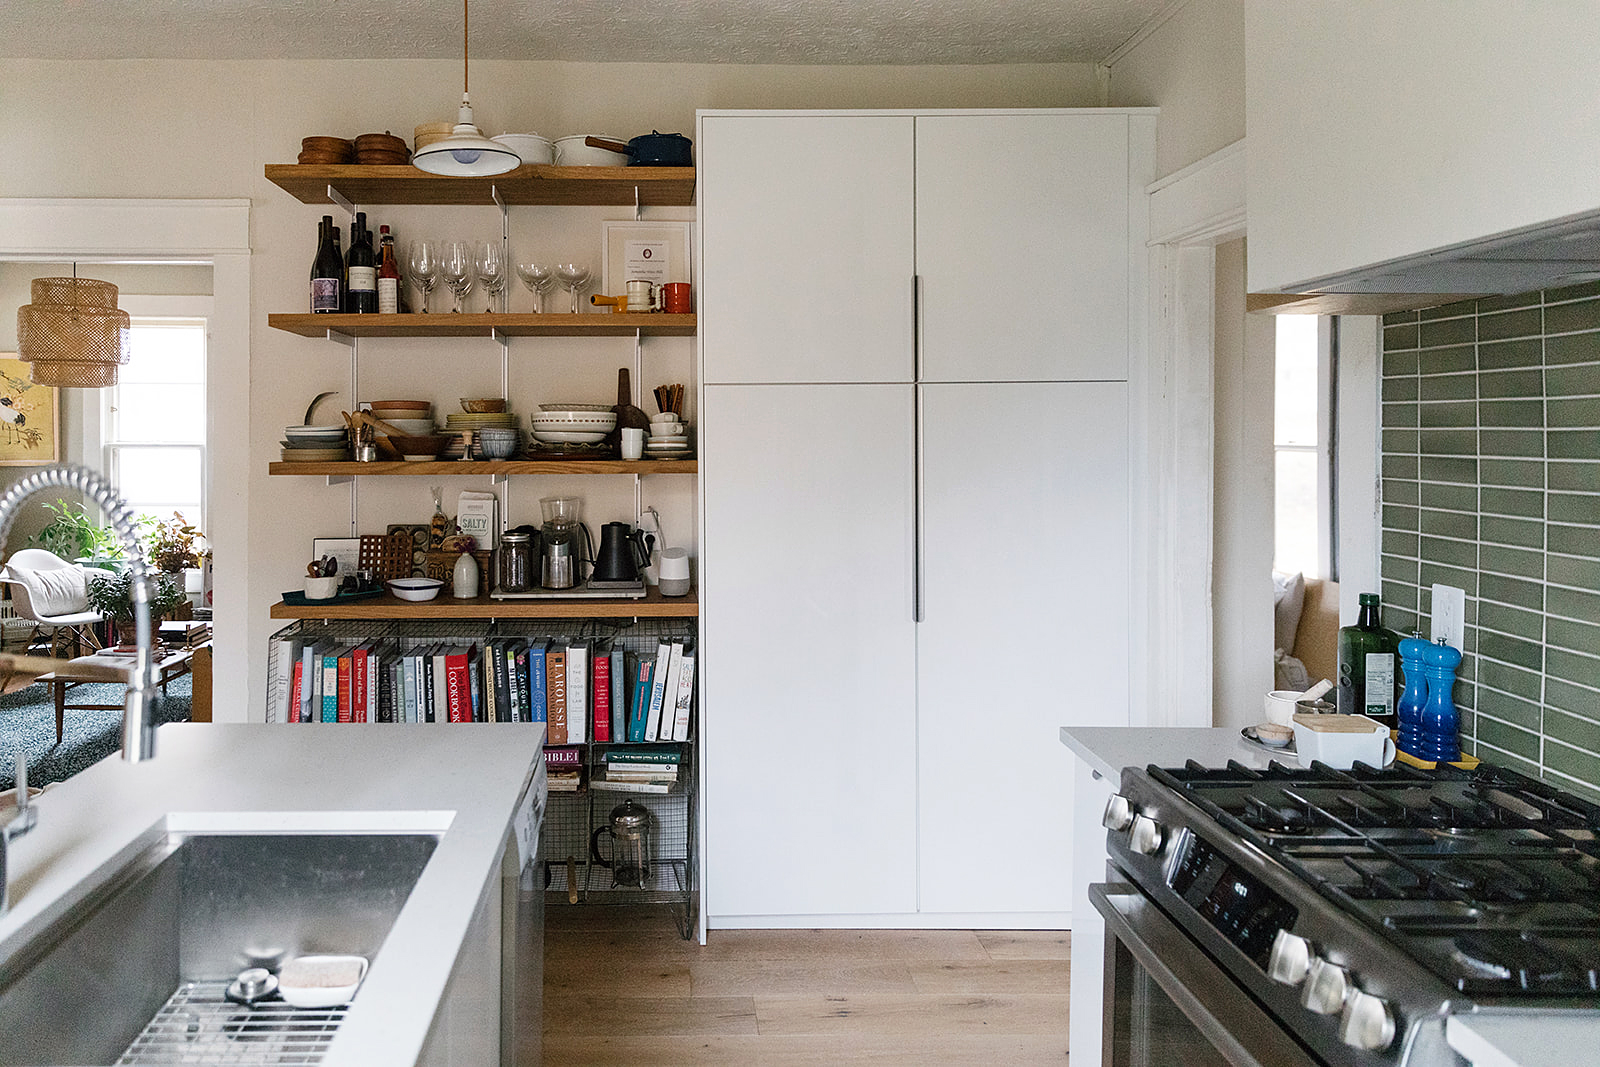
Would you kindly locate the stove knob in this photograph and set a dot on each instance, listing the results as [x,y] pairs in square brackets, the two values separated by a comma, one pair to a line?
[1145,835]
[1367,1022]
[1290,960]
[1118,814]
[1326,987]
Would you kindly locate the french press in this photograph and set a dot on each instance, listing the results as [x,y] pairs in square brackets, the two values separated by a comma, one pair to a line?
[629,828]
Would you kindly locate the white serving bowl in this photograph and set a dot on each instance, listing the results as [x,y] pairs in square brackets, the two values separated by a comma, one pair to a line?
[600,425]
[568,407]
[568,437]
[529,147]
[415,588]
[572,152]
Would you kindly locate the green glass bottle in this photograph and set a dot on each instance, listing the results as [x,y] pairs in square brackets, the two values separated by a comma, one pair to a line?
[1368,674]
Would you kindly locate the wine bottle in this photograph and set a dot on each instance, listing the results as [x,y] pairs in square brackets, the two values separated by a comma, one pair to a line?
[1367,665]
[327,270]
[361,269]
[388,275]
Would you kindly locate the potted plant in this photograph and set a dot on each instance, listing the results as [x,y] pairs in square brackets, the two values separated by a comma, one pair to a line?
[171,545]
[111,594]
[72,535]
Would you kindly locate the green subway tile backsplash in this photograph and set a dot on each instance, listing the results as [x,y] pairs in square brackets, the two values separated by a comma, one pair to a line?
[1490,467]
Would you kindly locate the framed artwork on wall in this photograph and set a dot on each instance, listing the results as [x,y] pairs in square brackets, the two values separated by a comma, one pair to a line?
[656,252]
[30,434]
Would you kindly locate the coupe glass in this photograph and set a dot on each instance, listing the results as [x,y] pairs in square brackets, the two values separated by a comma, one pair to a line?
[540,279]
[456,269]
[424,264]
[490,264]
[573,276]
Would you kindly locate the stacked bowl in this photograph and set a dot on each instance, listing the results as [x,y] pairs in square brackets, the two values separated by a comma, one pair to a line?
[669,437]
[565,425]
[458,423]
[315,444]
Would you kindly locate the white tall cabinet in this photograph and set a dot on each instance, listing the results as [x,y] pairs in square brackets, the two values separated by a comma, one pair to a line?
[917,331]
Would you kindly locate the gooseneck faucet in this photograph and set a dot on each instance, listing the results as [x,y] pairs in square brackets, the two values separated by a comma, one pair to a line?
[139,706]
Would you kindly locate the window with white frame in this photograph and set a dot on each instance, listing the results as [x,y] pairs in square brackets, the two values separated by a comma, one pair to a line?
[153,426]
[1303,504]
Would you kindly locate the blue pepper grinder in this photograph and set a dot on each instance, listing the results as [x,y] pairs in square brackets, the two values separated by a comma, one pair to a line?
[1440,722]
[1415,695]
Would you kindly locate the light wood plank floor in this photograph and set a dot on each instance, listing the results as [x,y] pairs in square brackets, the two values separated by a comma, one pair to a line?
[621,987]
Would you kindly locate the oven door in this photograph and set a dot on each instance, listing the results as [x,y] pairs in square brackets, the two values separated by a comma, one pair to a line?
[1169,1004]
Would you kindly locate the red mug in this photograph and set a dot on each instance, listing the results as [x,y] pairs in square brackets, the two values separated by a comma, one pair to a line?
[675,297]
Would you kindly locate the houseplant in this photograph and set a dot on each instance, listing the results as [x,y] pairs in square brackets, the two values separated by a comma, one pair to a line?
[72,535]
[172,544]
[111,594]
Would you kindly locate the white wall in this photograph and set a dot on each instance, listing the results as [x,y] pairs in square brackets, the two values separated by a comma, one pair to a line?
[1242,516]
[1192,67]
[205,129]
[1381,129]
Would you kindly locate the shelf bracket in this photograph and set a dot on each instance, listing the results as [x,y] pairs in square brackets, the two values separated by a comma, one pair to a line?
[341,338]
[494,194]
[340,479]
[496,335]
[499,478]
[635,203]
[343,201]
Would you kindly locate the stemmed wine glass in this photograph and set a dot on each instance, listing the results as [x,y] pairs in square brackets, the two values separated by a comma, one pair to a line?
[539,279]
[424,264]
[573,276]
[456,269]
[490,263]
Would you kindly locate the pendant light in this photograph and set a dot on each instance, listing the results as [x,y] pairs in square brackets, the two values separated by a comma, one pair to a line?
[73,335]
[466,152]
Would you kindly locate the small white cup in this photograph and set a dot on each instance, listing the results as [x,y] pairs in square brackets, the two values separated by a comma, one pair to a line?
[666,429]
[322,588]
[632,443]
[664,416]
[1280,706]
[674,571]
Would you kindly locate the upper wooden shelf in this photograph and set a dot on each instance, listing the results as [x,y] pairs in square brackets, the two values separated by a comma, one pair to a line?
[651,606]
[528,184]
[447,468]
[557,325]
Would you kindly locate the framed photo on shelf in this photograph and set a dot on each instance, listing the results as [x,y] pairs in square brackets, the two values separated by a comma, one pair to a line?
[650,251]
[29,417]
[346,550]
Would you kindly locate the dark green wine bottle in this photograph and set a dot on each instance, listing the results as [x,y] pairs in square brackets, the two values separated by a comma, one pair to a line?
[1368,674]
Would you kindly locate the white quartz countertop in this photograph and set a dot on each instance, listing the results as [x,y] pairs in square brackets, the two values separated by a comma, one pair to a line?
[463,782]
[1108,749]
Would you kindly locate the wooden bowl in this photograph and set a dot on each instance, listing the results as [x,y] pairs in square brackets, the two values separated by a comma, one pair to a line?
[416,405]
[418,448]
[483,404]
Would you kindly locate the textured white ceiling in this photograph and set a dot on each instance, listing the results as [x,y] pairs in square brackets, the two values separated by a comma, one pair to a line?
[687,31]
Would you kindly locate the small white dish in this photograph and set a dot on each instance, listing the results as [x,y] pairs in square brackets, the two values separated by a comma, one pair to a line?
[417,589]
[321,981]
[668,439]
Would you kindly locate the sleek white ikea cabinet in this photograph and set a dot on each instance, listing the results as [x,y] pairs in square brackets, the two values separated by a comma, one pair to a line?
[915,547]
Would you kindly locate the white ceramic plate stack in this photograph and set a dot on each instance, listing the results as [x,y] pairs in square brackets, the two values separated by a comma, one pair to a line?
[576,425]
[669,437]
[315,444]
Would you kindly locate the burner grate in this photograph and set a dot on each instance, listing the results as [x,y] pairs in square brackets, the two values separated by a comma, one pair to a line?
[199,1025]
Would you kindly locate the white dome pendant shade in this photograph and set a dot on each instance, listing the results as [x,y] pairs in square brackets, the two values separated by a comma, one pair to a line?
[466,152]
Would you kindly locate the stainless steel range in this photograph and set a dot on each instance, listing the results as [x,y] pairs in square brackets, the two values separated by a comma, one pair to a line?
[1315,916]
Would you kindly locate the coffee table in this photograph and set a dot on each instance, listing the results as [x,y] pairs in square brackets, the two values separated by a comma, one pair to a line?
[171,662]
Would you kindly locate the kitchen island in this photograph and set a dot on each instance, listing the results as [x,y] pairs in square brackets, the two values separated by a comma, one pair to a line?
[433,992]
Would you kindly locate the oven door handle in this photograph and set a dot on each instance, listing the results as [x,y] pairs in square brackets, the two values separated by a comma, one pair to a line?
[1201,989]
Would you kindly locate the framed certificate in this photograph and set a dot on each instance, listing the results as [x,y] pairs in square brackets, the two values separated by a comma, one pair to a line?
[655,252]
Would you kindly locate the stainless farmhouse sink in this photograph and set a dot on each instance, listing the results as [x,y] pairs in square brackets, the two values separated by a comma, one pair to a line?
[161,936]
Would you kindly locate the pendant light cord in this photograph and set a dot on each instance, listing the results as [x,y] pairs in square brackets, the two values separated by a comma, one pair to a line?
[464,17]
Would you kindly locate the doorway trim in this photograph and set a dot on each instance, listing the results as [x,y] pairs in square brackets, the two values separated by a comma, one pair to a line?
[214,232]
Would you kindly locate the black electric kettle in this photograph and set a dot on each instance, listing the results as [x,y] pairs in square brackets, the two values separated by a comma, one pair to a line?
[622,554]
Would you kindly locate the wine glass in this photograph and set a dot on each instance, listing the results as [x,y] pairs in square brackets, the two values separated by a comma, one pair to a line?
[573,276]
[424,262]
[539,279]
[490,264]
[455,266]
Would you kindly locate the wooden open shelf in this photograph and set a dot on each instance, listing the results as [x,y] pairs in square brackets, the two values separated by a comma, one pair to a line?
[553,325]
[447,468]
[652,606]
[528,184]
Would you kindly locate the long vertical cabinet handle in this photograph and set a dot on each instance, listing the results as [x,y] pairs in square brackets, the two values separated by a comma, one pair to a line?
[917,583]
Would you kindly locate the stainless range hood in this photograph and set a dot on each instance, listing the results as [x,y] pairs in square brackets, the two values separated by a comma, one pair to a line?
[1550,255]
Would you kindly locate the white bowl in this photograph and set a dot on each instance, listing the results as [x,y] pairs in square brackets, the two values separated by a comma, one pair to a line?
[412,427]
[575,425]
[572,152]
[322,588]
[314,431]
[567,437]
[657,440]
[302,983]
[529,147]
[415,588]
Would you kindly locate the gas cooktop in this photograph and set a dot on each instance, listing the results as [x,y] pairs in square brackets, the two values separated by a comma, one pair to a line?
[1487,878]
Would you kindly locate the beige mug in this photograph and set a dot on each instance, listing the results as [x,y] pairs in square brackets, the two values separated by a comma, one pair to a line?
[642,296]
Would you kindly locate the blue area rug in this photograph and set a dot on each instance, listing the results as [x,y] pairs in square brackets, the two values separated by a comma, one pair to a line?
[28,723]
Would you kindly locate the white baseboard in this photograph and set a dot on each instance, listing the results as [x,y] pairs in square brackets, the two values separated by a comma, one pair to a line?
[1033,920]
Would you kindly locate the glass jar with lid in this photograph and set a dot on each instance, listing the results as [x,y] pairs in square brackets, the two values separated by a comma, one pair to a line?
[514,572]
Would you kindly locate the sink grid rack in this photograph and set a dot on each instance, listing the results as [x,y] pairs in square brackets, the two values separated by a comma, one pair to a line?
[199,1025]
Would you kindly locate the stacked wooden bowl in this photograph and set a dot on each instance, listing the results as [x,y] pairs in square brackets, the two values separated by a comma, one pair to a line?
[326,150]
[429,132]
[382,149]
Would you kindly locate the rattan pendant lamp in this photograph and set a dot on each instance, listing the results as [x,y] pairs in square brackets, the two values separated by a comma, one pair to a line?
[72,335]
[466,152]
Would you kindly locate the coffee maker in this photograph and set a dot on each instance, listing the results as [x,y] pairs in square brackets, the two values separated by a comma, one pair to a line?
[565,543]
